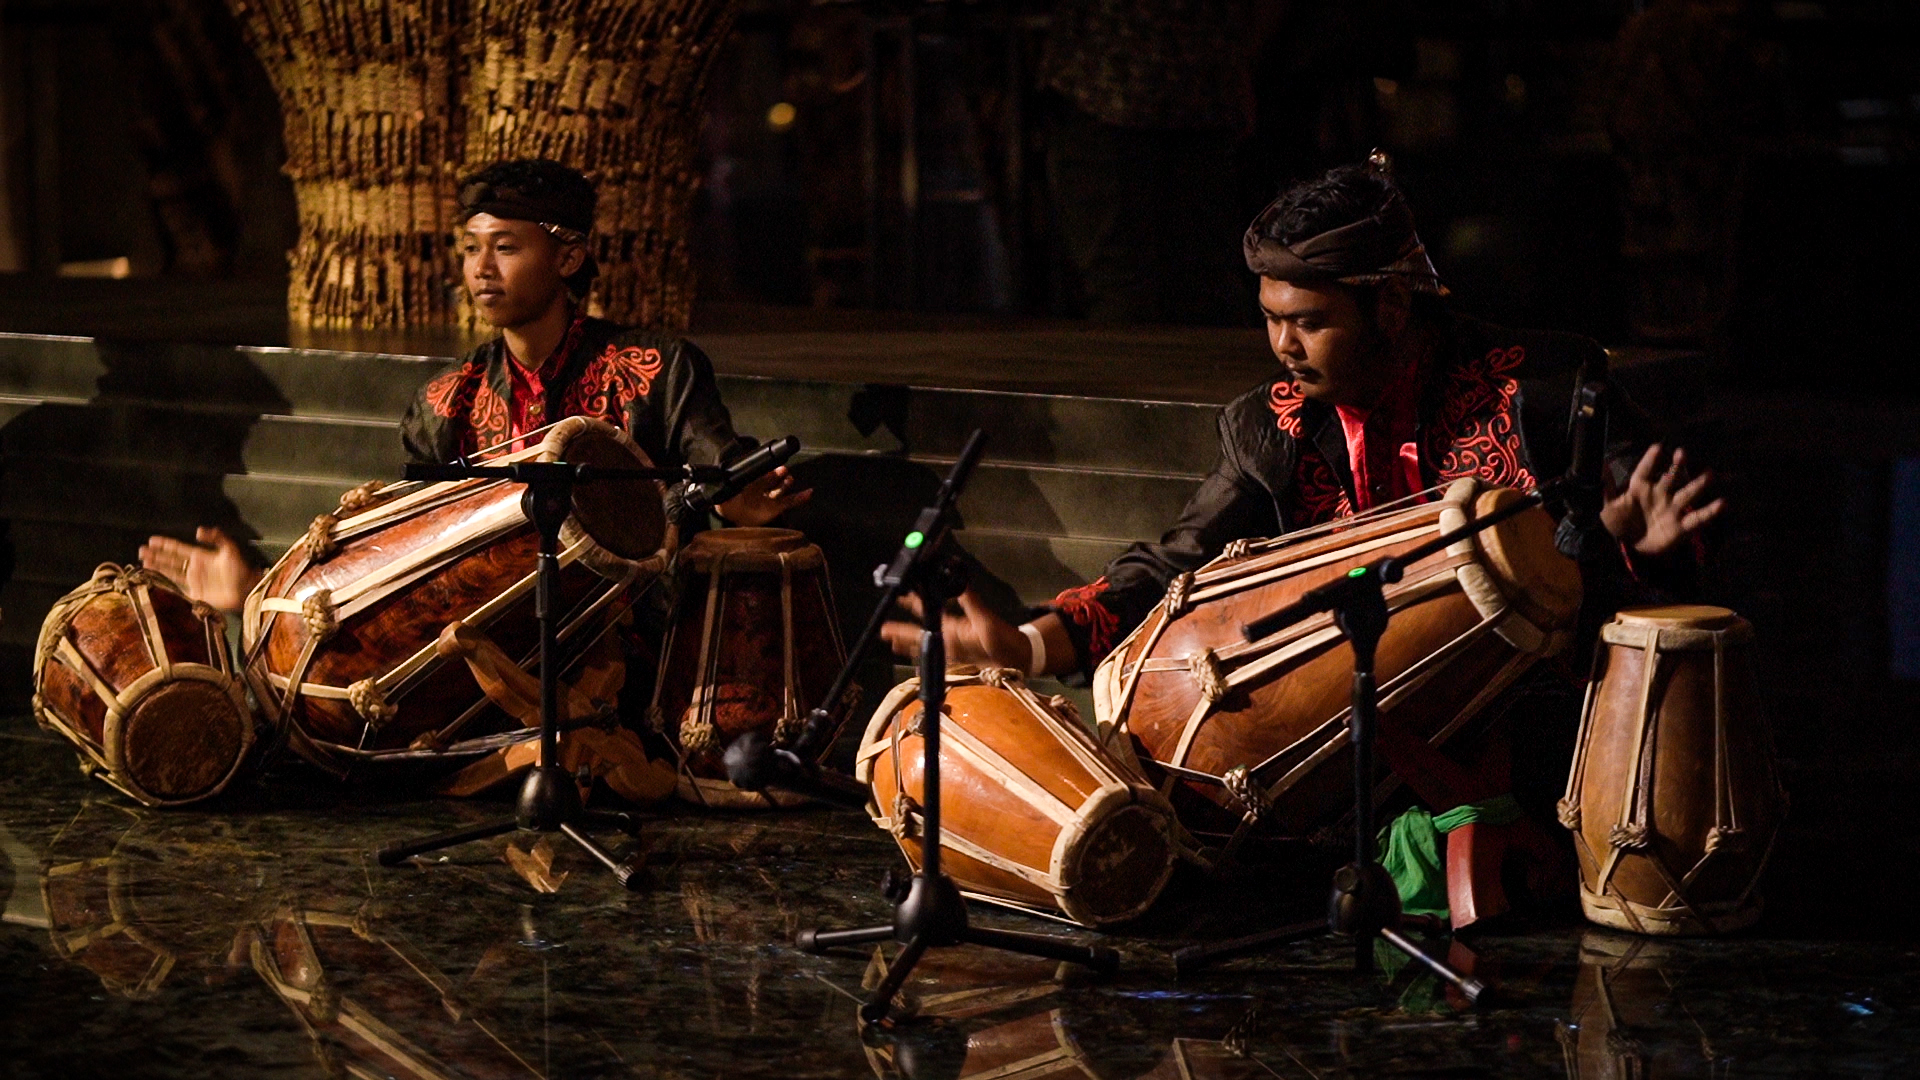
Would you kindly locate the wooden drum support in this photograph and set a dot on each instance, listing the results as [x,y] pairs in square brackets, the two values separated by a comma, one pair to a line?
[1674,800]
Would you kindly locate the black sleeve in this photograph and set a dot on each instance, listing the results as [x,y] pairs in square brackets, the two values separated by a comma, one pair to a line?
[693,420]
[1230,505]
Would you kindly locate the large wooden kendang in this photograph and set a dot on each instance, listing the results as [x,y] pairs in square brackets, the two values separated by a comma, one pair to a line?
[1254,735]
[387,103]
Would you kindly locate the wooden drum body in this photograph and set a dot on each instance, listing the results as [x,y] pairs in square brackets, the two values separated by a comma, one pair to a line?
[1243,734]
[1034,813]
[754,645]
[1674,799]
[139,679]
[340,635]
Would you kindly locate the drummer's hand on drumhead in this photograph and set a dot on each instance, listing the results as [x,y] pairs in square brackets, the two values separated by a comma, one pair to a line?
[973,636]
[1661,507]
[767,498]
[216,571]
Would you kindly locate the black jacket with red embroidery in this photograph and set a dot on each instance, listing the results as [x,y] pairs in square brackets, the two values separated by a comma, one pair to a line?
[659,388]
[1495,405]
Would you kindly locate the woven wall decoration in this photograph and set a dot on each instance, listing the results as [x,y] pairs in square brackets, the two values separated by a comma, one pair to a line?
[388,102]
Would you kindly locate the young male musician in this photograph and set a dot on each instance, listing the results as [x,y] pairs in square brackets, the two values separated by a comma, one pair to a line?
[523,244]
[1386,392]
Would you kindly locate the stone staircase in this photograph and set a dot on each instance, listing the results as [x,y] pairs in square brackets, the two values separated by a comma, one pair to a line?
[106,443]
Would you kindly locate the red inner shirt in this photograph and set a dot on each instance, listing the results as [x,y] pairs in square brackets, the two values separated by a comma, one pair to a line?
[1380,444]
[527,397]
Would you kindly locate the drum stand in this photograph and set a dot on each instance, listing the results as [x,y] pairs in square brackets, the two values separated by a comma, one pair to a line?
[929,912]
[1365,905]
[549,799]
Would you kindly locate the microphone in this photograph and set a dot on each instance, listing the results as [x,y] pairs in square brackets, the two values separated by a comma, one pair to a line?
[754,764]
[743,473]
[1584,488]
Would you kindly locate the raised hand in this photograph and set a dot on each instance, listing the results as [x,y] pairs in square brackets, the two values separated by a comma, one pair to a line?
[974,636]
[765,499]
[1658,510]
[216,571]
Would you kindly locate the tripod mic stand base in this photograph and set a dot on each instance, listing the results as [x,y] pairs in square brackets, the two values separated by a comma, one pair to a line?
[933,914]
[548,803]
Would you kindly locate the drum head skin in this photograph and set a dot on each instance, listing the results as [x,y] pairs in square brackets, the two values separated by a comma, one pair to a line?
[181,741]
[626,517]
[1541,583]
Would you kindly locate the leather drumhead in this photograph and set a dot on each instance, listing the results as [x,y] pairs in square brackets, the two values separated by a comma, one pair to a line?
[701,552]
[182,740]
[1679,617]
[626,517]
[1541,583]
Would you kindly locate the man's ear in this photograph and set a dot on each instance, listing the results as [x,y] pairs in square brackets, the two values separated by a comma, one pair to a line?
[572,258]
[1392,307]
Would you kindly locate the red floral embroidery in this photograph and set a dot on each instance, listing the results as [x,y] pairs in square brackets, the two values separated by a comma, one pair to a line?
[451,394]
[1082,607]
[616,377]
[1476,433]
[1285,401]
[487,423]
[1315,497]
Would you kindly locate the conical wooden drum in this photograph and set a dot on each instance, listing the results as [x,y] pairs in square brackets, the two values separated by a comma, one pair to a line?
[1674,799]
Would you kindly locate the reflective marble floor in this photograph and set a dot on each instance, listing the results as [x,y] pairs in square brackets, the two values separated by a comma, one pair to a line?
[261,940]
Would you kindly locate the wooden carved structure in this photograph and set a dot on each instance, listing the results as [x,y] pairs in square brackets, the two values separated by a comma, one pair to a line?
[388,103]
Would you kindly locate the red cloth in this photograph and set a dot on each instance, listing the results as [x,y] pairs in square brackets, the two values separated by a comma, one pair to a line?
[527,402]
[1380,444]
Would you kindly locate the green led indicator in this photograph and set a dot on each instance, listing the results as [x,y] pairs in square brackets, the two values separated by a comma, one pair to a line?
[916,538]
[1358,571]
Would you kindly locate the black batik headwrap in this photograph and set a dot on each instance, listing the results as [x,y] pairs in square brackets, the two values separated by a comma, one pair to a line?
[1365,252]
[569,219]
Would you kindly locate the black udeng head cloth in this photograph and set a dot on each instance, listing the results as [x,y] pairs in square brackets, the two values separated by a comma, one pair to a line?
[1365,252]
[557,198]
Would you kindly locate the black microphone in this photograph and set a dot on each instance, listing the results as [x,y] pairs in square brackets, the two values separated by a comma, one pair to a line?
[744,472]
[1584,488]
[754,764]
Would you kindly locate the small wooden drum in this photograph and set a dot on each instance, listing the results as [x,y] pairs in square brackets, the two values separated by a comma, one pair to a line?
[1035,814]
[1674,800]
[1258,731]
[138,677]
[340,635]
[754,645]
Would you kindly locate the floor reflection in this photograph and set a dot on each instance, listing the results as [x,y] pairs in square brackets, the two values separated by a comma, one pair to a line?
[261,940]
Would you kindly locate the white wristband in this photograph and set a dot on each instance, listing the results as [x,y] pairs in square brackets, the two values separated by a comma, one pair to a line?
[1037,665]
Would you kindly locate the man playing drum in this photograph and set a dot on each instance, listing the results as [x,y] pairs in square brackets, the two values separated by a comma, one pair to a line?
[523,243]
[1387,393]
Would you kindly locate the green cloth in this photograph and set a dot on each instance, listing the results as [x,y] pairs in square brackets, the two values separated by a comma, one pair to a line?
[1410,850]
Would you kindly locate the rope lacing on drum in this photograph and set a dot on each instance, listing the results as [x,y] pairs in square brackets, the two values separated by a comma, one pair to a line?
[356,499]
[1727,837]
[1569,813]
[1250,796]
[1177,593]
[1064,705]
[1236,549]
[319,538]
[657,718]
[999,678]
[904,808]
[787,728]
[370,702]
[1630,835]
[1205,668]
[318,612]
[697,735]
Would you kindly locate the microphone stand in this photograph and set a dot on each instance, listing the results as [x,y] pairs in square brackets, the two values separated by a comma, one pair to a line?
[1364,904]
[549,799]
[930,912]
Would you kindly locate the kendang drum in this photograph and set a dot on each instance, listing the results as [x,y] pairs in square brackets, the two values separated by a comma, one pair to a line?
[1674,799]
[1252,736]
[340,635]
[754,646]
[139,679]
[1034,813]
